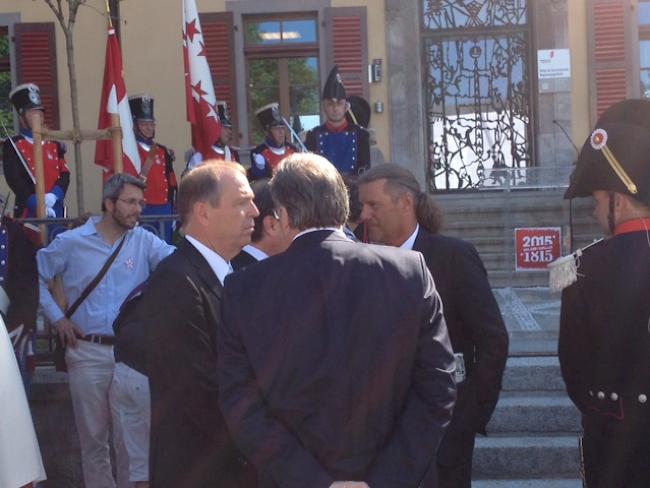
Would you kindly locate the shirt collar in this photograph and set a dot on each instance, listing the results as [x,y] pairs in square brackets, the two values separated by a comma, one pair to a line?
[219,265]
[255,252]
[408,243]
[89,228]
[314,229]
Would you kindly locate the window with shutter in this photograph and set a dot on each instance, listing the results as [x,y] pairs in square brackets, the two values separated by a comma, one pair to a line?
[610,55]
[218,38]
[36,63]
[347,41]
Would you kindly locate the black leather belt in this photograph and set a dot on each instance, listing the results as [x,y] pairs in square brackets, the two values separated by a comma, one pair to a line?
[99,339]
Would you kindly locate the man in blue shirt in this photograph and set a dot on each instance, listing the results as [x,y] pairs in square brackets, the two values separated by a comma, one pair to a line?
[76,257]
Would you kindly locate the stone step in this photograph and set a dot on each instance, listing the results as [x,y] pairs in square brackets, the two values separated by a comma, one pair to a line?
[526,457]
[528,483]
[500,278]
[533,374]
[534,412]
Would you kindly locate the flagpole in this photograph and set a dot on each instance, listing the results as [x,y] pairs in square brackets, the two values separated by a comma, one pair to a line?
[116,129]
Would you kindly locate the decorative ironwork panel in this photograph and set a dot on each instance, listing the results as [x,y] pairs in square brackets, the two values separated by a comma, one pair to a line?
[457,14]
[478,108]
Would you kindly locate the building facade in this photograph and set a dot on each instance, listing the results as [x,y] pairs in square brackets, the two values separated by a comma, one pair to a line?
[469,95]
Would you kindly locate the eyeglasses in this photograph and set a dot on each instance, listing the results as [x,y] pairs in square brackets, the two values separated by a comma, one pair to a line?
[132,202]
[275,214]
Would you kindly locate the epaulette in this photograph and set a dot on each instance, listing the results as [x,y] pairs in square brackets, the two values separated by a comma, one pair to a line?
[563,272]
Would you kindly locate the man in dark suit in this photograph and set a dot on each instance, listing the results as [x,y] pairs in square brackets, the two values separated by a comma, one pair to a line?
[266,239]
[397,213]
[341,374]
[604,345]
[190,443]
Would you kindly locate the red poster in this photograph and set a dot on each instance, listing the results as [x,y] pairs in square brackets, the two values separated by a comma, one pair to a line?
[536,247]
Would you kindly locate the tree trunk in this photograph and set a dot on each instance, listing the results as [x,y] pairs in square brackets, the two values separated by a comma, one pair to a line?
[69,44]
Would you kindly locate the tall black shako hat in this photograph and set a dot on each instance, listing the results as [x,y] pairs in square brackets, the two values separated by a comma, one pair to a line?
[26,96]
[616,157]
[269,116]
[224,115]
[334,88]
[142,108]
[359,111]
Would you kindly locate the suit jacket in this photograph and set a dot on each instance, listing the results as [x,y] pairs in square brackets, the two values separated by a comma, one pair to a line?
[604,350]
[341,370]
[476,329]
[242,259]
[190,443]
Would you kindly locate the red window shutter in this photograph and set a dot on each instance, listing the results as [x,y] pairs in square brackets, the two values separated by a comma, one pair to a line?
[219,43]
[36,63]
[347,47]
[610,22]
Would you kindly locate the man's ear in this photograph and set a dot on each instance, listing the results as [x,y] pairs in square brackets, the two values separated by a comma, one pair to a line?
[270,225]
[407,200]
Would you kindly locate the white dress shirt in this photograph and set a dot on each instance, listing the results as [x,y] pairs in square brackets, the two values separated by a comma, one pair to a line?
[408,243]
[219,265]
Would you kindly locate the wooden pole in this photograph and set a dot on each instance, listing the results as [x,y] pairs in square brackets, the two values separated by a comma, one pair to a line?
[116,135]
[81,135]
[40,171]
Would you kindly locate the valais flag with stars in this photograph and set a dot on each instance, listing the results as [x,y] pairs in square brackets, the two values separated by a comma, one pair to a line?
[199,90]
[115,101]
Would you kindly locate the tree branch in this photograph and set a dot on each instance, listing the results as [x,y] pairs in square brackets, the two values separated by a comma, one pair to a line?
[57,11]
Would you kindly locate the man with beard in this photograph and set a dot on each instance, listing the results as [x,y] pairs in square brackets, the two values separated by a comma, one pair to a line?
[127,254]
[181,309]
[157,162]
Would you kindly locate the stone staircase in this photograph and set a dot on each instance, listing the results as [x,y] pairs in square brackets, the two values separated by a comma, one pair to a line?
[533,435]
[488,220]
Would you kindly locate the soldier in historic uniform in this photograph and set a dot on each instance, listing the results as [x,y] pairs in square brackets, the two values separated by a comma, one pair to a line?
[19,164]
[157,168]
[221,150]
[266,157]
[341,140]
[604,345]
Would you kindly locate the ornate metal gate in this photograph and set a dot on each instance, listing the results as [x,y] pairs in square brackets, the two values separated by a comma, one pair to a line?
[477,91]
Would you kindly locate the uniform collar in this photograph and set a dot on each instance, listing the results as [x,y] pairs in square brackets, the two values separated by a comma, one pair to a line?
[635,225]
[341,128]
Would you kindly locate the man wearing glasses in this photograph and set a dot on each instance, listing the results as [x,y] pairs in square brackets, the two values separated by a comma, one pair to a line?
[76,257]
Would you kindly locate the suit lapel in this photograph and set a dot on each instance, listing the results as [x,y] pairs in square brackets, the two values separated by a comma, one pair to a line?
[202,267]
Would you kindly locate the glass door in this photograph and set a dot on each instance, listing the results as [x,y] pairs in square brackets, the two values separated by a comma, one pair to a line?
[292,82]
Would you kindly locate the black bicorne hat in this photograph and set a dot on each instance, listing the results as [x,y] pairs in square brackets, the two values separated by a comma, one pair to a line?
[616,156]
[224,115]
[359,111]
[334,88]
[269,116]
[142,108]
[26,96]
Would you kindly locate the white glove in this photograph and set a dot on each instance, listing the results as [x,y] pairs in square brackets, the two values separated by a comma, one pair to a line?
[260,162]
[50,213]
[50,200]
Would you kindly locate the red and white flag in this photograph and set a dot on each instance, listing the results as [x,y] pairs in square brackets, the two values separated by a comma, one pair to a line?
[115,101]
[199,90]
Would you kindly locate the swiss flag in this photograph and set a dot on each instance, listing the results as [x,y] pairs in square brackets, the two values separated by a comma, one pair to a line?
[115,101]
[199,90]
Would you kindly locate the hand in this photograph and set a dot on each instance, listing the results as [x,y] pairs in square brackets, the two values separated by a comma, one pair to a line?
[68,332]
[50,200]
[349,484]
[260,162]
[50,213]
